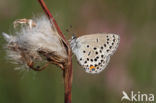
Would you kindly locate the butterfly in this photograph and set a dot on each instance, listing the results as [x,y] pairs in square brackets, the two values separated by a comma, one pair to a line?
[93,51]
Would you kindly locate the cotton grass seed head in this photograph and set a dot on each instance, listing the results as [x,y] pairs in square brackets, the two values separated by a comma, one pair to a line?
[35,41]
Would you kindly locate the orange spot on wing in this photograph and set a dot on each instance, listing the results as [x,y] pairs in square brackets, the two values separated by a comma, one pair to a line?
[92,68]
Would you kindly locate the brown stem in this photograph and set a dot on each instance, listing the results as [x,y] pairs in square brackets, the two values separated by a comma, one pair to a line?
[67,71]
[53,21]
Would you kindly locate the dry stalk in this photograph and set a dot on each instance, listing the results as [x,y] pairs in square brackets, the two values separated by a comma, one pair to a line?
[67,67]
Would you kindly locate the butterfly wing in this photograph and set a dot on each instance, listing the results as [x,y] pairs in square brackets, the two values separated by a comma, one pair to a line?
[93,51]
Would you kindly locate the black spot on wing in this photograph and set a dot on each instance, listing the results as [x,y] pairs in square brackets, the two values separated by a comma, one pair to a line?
[101,47]
[80,59]
[102,56]
[85,62]
[89,53]
[95,59]
[110,47]
[87,59]
[113,35]
[94,48]
[96,53]
[113,40]
[91,60]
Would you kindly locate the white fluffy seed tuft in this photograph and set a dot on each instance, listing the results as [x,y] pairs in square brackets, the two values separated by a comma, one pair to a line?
[42,37]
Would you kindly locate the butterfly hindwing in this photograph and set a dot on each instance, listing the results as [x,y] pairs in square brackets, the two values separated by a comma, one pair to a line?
[93,51]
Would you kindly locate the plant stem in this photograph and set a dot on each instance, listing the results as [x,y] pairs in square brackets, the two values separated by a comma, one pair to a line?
[52,20]
[67,71]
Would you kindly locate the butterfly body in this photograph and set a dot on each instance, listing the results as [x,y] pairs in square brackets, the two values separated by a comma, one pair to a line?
[93,51]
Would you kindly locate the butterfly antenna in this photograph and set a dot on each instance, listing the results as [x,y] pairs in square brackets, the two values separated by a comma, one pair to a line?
[69,30]
[74,36]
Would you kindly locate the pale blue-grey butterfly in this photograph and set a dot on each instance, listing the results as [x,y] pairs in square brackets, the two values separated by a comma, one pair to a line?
[93,51]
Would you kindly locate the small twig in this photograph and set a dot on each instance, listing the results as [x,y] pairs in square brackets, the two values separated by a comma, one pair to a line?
[37,68]
[67,71]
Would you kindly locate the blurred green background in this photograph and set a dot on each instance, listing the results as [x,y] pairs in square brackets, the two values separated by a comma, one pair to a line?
[132,68]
